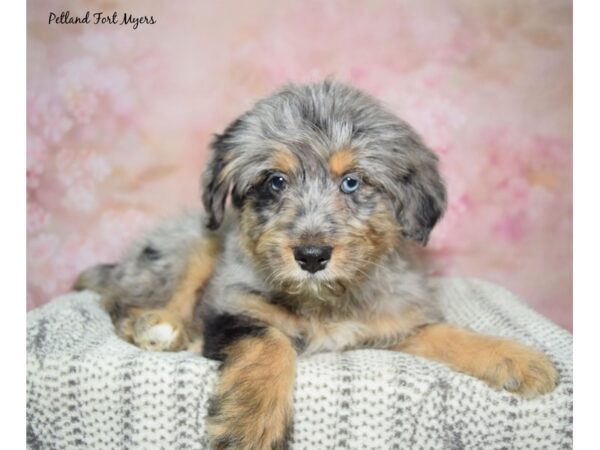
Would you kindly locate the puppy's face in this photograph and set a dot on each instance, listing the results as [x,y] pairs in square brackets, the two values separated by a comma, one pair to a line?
[327,182]
[309,220]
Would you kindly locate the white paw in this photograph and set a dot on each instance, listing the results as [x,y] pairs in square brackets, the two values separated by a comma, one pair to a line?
[159,337]
[158,332]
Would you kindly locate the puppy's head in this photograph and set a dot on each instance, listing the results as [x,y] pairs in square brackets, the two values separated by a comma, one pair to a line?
[327,182]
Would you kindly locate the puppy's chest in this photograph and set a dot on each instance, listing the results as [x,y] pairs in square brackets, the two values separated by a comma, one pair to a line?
[328,328]
[372,332]
[318,336]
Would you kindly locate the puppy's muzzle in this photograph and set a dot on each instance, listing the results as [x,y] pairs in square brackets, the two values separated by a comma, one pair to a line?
[312,258]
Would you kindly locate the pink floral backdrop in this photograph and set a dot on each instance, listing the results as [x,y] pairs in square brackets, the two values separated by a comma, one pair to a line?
[119,120]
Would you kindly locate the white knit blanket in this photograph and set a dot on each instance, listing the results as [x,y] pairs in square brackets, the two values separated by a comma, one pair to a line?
[86,388]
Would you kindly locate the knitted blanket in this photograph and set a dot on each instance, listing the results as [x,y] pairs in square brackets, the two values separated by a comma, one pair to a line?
[86,388]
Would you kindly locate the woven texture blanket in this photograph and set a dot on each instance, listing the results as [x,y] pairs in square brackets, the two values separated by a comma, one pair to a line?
[86,388]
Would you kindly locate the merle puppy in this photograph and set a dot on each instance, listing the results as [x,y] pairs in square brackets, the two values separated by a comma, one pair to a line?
[328,190]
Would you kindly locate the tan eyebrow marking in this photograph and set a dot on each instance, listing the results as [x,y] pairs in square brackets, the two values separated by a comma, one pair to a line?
[341,161]
[284,160]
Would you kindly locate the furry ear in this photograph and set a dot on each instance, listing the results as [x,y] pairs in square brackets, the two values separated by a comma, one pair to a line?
[420,194]
[218,176]
[422,205]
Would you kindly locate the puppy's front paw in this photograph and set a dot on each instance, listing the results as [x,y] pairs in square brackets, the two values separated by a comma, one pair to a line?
[520,369]
[158,330]
[251,408]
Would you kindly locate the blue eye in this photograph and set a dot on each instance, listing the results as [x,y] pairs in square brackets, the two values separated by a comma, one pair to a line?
[277,183]
[350,184]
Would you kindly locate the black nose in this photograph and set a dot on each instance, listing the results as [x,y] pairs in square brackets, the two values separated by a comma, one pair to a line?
[312,257]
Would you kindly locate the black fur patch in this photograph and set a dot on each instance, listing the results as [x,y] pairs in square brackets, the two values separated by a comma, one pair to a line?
[287,437]
[226,442]
[299,343]
[408,177]
[262,200]
[430,214]
[150,253]
[222,329]
[215,194]
[237,199]
[357,131]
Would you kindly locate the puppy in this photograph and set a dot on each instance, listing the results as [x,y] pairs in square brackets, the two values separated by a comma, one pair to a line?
[328,190]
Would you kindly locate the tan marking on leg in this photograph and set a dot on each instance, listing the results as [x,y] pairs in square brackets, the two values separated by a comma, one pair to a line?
[252,404]
[502,363]
[199,270]
[170,328]
[341,162]
[383,327]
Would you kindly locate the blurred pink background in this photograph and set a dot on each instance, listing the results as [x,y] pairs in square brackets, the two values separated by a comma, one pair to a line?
[119,120]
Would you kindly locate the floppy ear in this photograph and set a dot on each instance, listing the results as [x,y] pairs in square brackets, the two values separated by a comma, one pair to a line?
[218,176]
[421,194]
